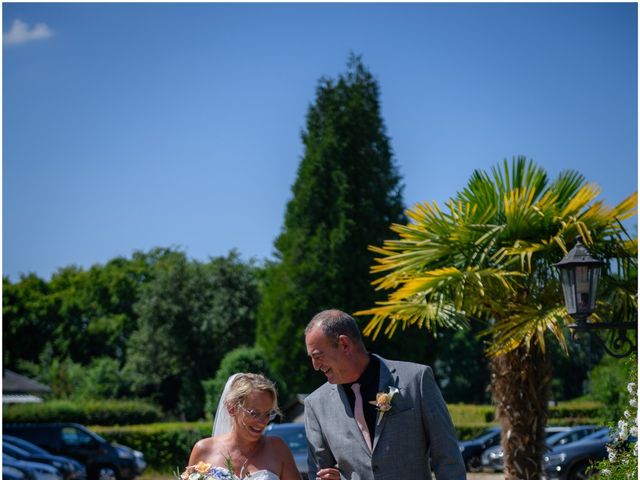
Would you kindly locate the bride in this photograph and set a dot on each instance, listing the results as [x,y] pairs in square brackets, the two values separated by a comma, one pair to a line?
[247,404]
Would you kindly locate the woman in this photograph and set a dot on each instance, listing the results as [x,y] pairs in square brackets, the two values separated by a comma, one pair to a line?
[248,403]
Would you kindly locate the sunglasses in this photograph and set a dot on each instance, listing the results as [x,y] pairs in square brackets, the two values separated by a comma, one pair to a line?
[256,415]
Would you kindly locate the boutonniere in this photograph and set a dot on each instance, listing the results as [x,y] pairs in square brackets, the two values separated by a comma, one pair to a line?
[383,402]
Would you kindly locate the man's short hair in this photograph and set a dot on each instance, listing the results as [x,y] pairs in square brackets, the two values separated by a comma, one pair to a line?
[334,323]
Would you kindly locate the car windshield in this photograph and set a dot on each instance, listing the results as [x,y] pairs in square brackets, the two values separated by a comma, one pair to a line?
[555,438]
[486,435]
[603,432]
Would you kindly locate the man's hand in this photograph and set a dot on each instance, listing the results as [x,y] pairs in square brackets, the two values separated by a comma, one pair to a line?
[328,474]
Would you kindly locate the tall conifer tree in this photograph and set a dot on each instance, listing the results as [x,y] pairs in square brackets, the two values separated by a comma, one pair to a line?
[347,193]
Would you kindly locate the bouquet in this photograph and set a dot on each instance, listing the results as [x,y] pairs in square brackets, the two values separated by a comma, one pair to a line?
[205,471]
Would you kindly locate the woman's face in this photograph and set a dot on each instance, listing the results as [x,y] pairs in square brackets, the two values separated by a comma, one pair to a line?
[254,414]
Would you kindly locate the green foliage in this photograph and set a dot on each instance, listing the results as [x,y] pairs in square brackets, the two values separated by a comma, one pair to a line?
[622,461]
[577,408]
[166,446]
[190,315]
[103,412]
[242,359]
[571,368]
[28,311]
[101,379]
[470,414]
[78,315]
[152,326]
[462,377]
[346,194]
[608,385]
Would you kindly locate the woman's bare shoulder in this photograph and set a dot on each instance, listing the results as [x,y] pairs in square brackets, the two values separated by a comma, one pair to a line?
[276,444]
[204,450]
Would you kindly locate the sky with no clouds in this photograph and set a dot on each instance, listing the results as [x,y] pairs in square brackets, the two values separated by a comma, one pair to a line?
[131,126]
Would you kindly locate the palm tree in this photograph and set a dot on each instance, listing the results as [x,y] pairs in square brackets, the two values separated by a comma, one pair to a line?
[490,258]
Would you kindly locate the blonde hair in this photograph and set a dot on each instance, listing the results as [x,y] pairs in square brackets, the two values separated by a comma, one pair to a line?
[245,383]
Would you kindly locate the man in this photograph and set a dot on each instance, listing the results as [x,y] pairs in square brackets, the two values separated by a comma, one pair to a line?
[406,434]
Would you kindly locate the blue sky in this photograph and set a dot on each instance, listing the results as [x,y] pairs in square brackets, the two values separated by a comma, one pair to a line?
[130,126]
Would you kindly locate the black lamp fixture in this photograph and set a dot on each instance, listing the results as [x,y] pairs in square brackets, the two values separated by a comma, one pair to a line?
[579,274]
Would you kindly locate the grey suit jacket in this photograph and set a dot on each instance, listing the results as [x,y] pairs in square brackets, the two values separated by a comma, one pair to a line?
[413,437]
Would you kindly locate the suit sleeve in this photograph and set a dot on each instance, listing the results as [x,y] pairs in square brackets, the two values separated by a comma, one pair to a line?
[446,460]
[318,453]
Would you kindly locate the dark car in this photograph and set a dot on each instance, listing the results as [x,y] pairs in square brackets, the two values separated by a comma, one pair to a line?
[573,461]
[471,450]
[103,460]
[31,470]
[12,473]
[294,436]
[493,457]
[23,450]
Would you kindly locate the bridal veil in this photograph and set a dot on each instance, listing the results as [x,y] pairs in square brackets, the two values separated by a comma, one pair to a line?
[222,421]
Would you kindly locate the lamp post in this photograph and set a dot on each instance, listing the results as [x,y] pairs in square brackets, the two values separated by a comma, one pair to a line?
[579,274]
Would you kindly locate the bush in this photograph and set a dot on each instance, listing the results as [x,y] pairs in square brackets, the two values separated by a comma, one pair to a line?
[93,412]
[166,446]
[622,458]
[242,359]
[462,413]
[608,385]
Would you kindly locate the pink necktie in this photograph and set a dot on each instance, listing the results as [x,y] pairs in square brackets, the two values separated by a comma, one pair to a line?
[359,414]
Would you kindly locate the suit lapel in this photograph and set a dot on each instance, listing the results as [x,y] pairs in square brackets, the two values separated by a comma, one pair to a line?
[388,378]
[340,396]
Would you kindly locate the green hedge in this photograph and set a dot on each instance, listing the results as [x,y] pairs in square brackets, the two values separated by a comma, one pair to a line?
[471,414]
[166,446]
[103,412]
[565,413]
[581,409]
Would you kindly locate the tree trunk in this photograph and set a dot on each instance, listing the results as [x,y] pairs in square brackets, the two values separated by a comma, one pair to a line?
[520,382]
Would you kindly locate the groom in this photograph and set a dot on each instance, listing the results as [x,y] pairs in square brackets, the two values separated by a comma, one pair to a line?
[408,433]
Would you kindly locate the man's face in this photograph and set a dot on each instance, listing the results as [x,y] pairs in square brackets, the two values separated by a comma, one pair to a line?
[331,359]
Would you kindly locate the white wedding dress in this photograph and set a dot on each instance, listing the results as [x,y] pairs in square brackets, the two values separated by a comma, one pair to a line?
[222,424]
[263,475]
[259,475]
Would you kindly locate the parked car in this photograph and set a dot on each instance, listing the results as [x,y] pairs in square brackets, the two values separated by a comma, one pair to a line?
[471,450]
[294,436]
[12,473]
[103,460]
[573,461]
[23,450]
[32,470]
[573,435]
[493,457]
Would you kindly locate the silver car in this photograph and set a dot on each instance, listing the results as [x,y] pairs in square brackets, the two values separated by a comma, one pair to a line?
[493,458]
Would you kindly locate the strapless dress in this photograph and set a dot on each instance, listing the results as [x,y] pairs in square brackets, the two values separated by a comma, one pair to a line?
[257,475]
[263,475]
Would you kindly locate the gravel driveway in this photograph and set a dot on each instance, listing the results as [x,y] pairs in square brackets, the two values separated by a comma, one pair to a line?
[484,476]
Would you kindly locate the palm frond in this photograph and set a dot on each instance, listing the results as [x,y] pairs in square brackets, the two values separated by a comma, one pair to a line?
[490,252]
[526,326]
[418,311]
